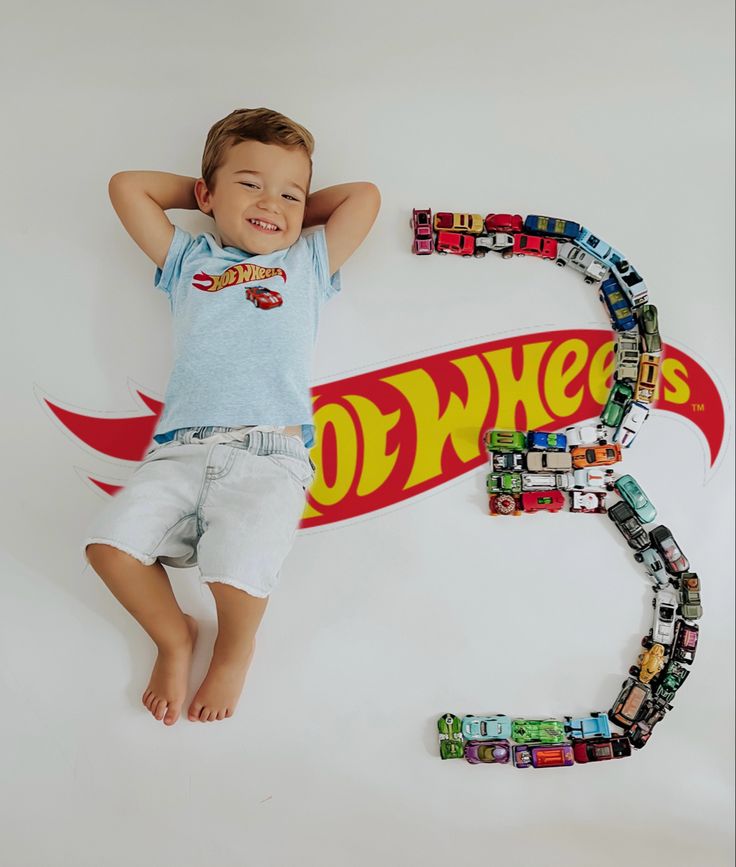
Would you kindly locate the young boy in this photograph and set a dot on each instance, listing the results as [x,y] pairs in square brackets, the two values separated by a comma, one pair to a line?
[223,485]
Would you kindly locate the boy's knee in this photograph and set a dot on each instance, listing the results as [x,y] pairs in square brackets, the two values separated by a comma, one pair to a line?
[105,556]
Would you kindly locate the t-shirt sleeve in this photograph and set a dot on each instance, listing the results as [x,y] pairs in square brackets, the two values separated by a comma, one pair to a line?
[166,278]
[328,285]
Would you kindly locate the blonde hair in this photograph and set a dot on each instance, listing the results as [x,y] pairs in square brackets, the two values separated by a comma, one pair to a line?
[259,124]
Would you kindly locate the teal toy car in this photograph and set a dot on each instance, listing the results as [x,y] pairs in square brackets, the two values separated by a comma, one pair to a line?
[505,440]
[629,489]
[503,483]
[619,398]
[486,728]
[544,731]
[451,740]
[593,726]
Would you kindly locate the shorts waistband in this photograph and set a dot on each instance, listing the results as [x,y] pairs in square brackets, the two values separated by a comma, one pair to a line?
[257,439]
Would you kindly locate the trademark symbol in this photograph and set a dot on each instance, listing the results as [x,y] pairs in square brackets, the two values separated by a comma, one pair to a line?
[698,407]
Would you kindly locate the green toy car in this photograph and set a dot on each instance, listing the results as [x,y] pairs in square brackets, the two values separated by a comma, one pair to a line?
[505,440]
[544,731]
[629,489]
[672,679]
[451,739]
[504,483]
[619,398]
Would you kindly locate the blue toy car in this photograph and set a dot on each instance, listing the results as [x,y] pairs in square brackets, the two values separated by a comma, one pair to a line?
[486,728]
[593,726]
[617,305]
[597,247]
[541,439]
[553,226]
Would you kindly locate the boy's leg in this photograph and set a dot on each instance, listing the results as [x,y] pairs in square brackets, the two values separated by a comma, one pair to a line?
[239,615]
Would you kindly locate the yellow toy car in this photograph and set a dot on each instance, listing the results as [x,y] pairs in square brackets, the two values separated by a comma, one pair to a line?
[646,384]
[471,224]
[651,662]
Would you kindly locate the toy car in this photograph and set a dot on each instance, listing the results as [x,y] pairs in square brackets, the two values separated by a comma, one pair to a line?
[265,299]
[538,756]
[507,461]
[564,481]
[421,223]
[602,749]
[640,732]
[538,481]
[542,501]
[505,441]
[625,519]
[631,424]
[629,704]
[618,399]
[588,501]
[646,384]
[617,306]
[631,492]
[585,434]
[650,663]
[470,223]
[649,328]
[535,245]
[595,456]
[545,731]
[654,565]
[486,728]
[593,479]
[663,624]
[451,739]
[627,355]
[630,281]
[545,441]
[570,254]
[593,726]
[496,241]
[689,589]
[452,242]
[504,504]
[503,483]
[675,561]
[554,226]
[488,752]
[504,223]
[598,247]
[686,642]
[672,679]
[539,461]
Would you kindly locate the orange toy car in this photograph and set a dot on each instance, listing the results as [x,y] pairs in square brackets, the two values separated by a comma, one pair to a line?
[595,456]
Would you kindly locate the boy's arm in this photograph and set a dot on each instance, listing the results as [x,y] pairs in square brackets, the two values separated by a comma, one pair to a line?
[140,199]
[347,211]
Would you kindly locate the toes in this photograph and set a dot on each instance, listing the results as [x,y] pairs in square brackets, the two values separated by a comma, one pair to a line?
[194,712]
[172,715]
[160,708]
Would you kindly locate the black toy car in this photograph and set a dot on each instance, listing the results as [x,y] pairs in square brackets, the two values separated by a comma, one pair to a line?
[675,561]
[640,732]
[625,519]
[686,642]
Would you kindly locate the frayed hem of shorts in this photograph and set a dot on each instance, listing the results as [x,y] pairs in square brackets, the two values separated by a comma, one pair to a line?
[252,591]
[146,559]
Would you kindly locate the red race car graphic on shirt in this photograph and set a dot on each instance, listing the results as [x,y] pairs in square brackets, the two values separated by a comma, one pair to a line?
[264,298]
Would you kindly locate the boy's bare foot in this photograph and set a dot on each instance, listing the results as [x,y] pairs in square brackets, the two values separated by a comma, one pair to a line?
[219,692]
[167,688]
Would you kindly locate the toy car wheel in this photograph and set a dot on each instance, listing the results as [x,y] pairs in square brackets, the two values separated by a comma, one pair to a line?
[442,252]
[638,557]
[560,262]
[646,642]
[480,254]
[634,671]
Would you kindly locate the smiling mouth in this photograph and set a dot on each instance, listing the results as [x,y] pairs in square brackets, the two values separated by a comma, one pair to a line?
[264,227]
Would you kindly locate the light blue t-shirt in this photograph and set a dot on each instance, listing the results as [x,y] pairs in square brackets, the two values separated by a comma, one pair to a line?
[245,325]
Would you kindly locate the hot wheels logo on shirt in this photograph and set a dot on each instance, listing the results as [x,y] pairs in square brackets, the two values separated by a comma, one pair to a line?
[243,272]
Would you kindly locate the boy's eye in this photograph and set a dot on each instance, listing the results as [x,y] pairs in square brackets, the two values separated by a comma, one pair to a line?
[249,184]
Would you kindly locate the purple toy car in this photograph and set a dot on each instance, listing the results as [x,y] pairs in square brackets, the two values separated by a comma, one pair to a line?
[543,755]
[487,752]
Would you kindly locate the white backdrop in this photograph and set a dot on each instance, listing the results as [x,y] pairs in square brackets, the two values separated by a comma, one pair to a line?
[617,116]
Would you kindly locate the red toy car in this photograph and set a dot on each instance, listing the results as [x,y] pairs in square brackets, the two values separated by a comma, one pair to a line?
[542,501]
[454,242]
[263,298]
[504,223]
[535,245]
[503,504]
[421,223]
[601,749]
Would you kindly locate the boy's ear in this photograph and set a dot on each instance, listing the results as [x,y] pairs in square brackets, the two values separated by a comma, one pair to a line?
[202,195]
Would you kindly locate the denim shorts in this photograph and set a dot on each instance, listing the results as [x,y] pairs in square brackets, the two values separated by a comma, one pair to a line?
[228,500]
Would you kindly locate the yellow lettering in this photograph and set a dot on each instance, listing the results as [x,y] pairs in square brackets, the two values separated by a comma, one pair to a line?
[524,390]
[557,378]
[601,368]
[377,465]
[675,374]
[346,458]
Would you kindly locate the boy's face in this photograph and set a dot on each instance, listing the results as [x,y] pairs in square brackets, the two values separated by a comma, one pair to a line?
[273,190]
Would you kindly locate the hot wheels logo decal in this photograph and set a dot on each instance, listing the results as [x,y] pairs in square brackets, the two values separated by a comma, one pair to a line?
[241,273]
[393,433]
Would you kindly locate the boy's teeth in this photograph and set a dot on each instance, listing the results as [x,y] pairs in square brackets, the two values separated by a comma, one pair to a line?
[264,225]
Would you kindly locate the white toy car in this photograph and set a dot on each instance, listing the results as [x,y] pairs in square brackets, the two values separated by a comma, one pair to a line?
[594,270]
[665,604]
[587,501]
[631,424]
[654,565]
[536,461]
[496,241]
[585,435]
[629,279]
[564,481]
[627,355]
[593,479]
[537,481]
